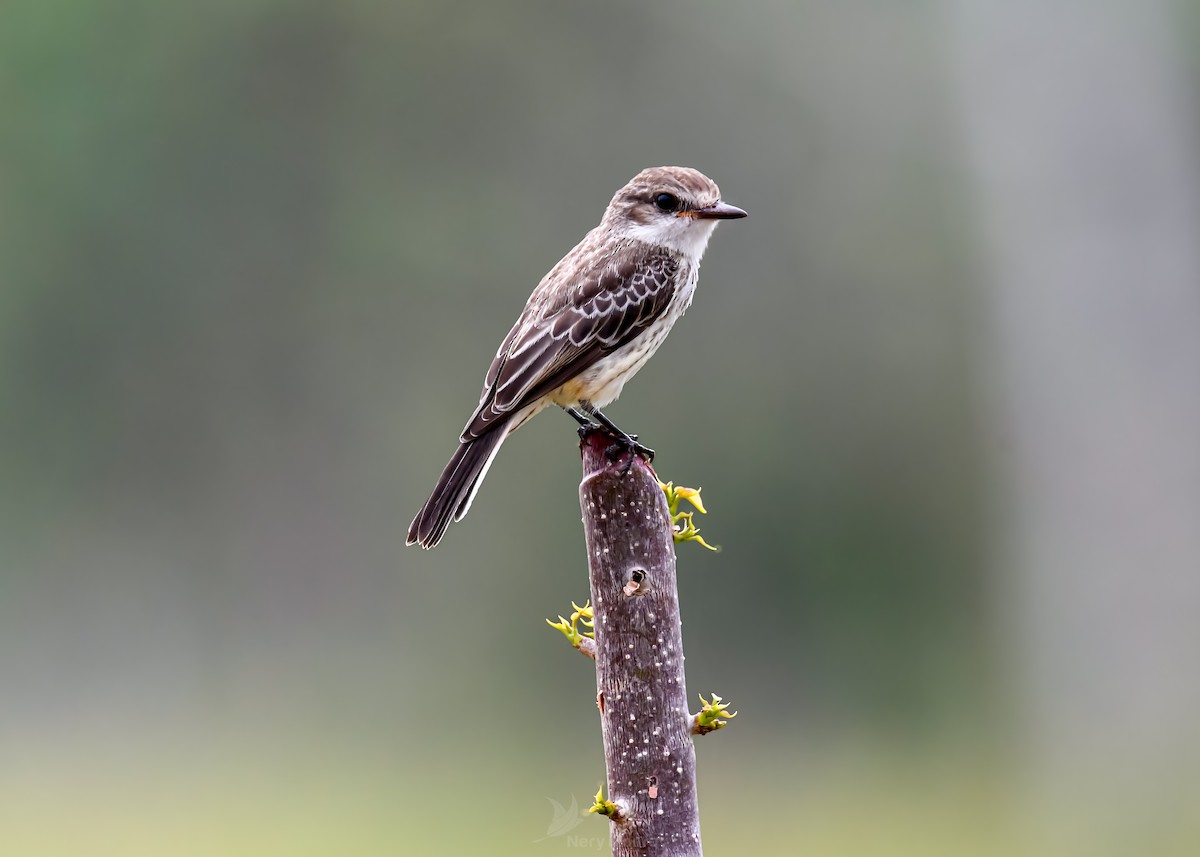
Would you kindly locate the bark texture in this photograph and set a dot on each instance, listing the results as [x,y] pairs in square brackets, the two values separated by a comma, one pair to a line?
[639,658]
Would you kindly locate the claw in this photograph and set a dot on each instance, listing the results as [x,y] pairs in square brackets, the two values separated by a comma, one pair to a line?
[621,442]
[628,444]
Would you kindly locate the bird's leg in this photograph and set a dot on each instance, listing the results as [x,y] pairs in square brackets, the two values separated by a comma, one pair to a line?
[622,440]
[586,425]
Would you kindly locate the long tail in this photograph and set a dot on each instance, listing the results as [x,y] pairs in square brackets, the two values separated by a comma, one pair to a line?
[456,488]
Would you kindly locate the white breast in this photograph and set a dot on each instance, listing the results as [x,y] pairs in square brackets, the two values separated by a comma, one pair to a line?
[603,381]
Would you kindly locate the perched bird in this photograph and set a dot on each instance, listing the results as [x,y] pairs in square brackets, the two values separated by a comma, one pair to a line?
[590,324]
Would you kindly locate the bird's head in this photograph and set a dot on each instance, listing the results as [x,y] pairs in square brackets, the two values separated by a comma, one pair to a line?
[675,207]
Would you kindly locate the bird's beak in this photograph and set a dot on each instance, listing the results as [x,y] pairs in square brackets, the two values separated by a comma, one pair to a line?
[720,211]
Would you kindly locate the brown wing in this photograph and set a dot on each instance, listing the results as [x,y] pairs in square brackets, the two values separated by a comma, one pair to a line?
[608,305]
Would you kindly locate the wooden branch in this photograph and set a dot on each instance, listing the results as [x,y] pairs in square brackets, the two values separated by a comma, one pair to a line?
[587,646]
[639,657]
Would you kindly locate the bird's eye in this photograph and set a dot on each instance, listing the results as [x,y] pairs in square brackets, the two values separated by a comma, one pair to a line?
[666,202]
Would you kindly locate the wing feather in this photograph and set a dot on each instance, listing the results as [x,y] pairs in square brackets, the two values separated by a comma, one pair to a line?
[561,334]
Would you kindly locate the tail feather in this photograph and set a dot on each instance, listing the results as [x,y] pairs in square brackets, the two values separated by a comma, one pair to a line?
[456,488]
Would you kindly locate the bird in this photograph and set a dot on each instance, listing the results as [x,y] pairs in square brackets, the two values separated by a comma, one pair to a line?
[590,324]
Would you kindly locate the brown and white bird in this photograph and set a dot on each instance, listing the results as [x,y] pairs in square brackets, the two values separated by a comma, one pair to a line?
[590,324]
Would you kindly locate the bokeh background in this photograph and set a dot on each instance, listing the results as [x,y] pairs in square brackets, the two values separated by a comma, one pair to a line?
[942,391]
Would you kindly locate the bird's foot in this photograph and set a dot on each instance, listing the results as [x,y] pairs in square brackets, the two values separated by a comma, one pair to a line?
[587,429]
[628,443]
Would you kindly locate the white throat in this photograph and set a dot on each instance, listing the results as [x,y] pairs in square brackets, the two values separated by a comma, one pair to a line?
[686,235]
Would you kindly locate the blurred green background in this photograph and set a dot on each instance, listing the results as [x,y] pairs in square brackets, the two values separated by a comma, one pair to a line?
[942,391]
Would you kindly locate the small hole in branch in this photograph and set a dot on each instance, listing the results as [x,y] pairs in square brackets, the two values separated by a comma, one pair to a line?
[634,586]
